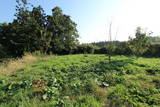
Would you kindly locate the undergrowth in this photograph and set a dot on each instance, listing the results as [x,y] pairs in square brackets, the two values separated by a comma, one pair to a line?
[82,81]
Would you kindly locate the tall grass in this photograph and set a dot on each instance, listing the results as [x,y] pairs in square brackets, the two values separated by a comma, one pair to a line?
[13,65]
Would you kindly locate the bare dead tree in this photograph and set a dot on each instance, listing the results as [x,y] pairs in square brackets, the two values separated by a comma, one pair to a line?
[116,34]
[110,40]
[111,47]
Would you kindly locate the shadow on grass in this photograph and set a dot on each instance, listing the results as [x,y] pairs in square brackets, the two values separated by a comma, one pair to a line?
[119,67]
[121,63]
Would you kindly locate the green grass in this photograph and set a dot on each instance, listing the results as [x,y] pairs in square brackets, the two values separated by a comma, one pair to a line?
[83,81]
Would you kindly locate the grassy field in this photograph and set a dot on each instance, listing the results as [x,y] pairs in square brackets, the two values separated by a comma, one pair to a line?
[80,81]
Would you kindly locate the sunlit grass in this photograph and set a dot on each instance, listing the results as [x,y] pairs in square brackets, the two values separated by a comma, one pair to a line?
[14,65]
[81,80]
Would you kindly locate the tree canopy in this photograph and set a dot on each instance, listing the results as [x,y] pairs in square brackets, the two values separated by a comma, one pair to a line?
[140,43]
[35,31]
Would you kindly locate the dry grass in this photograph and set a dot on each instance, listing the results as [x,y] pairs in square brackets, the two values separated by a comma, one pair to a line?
[101,92]
[16,64]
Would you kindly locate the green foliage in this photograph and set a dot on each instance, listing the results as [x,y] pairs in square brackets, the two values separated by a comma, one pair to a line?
[125,48]
[153,50]
[157,83]
[85,49]
[133,96]
[101,50]
[140,43]
[2,51]
[33,30]
[122,48]
[64,31]
[83,80]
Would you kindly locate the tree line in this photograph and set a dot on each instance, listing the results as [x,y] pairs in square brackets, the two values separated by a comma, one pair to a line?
[141,45]
[33,30]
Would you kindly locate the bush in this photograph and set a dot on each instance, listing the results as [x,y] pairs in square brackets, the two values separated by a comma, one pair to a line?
[101,50]
[85,49]
[153,50]
[123,49]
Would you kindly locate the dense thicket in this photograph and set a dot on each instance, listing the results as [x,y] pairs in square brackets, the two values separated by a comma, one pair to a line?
[33,30]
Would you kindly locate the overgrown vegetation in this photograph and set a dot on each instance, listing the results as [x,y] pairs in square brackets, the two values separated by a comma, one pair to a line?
[83,81]
[11,65]
[43,79]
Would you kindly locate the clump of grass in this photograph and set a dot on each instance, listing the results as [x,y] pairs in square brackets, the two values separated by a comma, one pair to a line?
[14,65]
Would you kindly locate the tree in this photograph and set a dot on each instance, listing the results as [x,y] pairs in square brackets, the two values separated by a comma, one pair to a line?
[64,31]
[5,38]
[140,43]
[111,45]
[28,31]
[23,34]
[33,30]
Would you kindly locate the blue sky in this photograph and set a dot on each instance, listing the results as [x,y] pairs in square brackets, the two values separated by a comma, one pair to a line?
[93,16]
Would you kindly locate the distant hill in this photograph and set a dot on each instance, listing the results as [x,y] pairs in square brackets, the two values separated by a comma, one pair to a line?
[154,40]
[104,43]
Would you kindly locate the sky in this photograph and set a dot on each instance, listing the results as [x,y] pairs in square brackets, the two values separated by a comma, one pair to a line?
[93,17]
